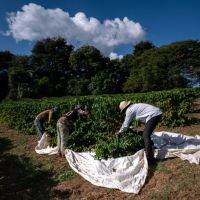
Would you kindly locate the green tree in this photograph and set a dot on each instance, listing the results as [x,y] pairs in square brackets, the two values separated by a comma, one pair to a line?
[103,83]
[5,58]
[21,81]
[141,47]
[110,80]
[164,68]
[3,83]
[50,58]
[86,61]
[78,86]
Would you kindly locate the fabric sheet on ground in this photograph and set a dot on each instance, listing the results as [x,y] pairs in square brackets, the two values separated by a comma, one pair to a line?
[128,173]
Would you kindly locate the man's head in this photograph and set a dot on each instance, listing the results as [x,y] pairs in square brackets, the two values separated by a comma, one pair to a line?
[80,110]
[55,109]
[123,105]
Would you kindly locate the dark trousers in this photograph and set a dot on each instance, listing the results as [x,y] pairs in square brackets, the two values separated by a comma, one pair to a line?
[39,127]
[148,129]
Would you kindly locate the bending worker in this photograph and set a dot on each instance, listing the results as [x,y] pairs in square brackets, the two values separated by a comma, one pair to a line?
[63,126]
[41,117]
[149,115]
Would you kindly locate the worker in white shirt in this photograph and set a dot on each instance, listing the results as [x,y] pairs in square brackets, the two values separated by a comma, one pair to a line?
[149,115]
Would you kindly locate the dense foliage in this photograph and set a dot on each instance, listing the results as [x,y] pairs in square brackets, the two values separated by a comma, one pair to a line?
[97,131]
[55,69]
[5,58]
[119,146]
[166,67]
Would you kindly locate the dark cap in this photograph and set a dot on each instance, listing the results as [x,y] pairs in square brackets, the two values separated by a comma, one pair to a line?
[55,109]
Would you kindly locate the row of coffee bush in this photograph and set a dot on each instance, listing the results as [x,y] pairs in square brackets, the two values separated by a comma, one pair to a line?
[105,117]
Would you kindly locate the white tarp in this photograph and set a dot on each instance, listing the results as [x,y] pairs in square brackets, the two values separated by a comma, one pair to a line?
[43,146]
[127,173]
[170,145]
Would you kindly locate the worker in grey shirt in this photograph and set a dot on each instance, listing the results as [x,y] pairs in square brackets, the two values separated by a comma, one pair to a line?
[149,115]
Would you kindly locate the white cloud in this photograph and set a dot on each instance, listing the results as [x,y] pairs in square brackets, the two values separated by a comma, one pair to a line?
[34,22]
[114,56]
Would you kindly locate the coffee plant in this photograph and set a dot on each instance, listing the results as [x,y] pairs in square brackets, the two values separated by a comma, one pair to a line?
[96,132]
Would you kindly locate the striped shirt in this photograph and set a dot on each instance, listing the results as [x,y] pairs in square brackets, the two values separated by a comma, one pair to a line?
[69,116]
[139,111]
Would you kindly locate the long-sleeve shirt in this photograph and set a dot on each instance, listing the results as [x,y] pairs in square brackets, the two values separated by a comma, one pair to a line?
[139,111]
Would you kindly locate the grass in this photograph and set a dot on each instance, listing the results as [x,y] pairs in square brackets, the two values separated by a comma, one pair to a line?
[162,168]
[65,174]
[21,178]
[164,195]
[180,180]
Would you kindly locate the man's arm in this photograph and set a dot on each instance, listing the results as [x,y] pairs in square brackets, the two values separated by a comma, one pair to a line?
[125,124]
[50,116]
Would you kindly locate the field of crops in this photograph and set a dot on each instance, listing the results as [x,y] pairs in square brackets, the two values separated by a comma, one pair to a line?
[97,131]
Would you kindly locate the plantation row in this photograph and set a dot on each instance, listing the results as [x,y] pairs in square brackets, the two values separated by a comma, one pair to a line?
[97,131]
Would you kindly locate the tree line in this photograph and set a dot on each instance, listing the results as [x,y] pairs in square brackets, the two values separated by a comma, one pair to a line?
[55,68]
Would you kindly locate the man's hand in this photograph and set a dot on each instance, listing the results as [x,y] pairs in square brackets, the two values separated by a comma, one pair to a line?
[132,128]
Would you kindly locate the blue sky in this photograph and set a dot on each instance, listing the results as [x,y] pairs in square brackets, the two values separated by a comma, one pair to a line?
[83,22]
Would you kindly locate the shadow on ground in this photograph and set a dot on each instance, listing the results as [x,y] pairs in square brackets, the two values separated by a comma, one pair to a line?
[21,178]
